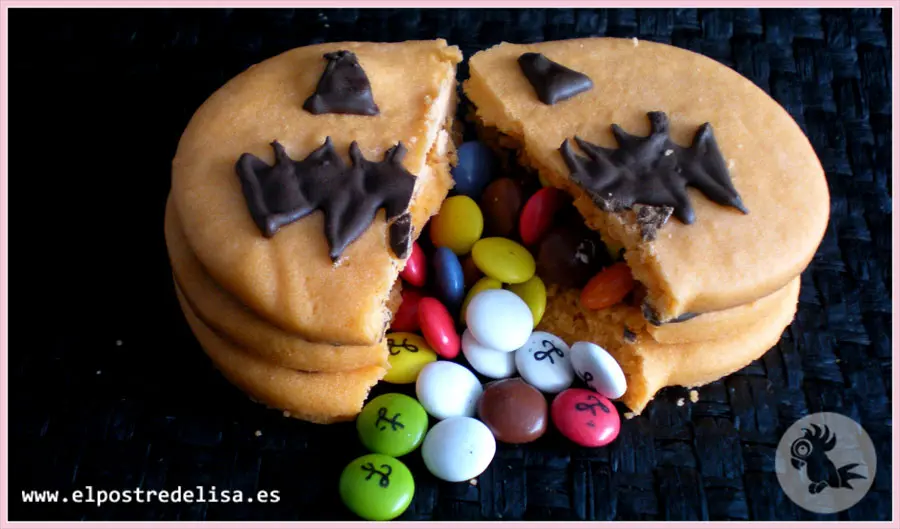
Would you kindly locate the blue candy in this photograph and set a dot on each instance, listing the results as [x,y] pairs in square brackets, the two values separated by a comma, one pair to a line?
[448,274]
[474,170]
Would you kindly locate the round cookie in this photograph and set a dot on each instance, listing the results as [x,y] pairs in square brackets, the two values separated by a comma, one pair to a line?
[322,398]
[290,279]
[650,366]
[220,311]
[725,258]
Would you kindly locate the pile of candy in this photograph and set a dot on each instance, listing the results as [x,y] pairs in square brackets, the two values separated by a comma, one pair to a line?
[491,287]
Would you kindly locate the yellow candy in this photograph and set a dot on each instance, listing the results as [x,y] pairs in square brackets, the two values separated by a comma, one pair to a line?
[485,283]
[457,225]
[409,353]
[505,260]
[534,294]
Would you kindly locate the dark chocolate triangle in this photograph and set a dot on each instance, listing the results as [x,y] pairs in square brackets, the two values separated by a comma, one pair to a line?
[343,88]
[552,81]
[653,171]
[348,196]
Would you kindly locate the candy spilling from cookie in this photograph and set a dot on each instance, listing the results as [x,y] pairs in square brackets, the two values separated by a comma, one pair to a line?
[636,216]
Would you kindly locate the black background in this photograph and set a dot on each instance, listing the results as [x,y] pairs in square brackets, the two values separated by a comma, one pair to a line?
[98,100]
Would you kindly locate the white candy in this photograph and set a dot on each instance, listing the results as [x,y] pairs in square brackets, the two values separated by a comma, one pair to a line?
[499,320]
[489,362]
[458,449]
[598,369]
[447,389]
[544,362]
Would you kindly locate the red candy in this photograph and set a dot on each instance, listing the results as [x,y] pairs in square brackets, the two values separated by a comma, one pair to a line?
[438,328]
[406,319]
[585,417]
[415,270]
[537,215]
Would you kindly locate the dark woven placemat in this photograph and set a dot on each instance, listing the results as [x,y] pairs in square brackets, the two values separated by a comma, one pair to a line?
[108,388]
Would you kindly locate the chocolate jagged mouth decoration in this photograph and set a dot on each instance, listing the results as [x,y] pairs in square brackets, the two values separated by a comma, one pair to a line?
[348,196]
[653,171]
[552,81]
[343,88]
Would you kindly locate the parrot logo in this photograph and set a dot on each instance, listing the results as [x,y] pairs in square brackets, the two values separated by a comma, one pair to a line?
[809,453]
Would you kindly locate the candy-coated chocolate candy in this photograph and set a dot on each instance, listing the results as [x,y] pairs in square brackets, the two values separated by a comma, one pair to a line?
[504,260]
[608,287]
[489,362]
[408,354]
[585,417]
[538,212]
[447,389]
[474,169]
[499,320]
[514,411]
[416,271]
[438,327]
[471,273]
[534,294]
[448,274]
[458,449]
[569,256]
[598,369]
[392,424]
[376,487]
[485,283]
[406,319]
[458,224]
[501,203]
[544,362]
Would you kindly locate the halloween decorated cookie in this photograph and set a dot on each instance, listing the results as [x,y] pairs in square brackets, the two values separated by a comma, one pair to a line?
[704,185]
[301,184]
[298,190]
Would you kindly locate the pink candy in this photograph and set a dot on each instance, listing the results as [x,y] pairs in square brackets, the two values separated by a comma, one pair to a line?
[585,417]
[416,270]
[438,328]
[537,215]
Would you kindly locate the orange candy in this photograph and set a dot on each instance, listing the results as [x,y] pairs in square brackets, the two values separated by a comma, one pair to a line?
[608,287]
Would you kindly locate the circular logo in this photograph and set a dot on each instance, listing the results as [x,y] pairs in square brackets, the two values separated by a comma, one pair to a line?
[825,462]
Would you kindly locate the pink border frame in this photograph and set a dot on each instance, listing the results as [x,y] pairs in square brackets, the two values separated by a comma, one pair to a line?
[4,238]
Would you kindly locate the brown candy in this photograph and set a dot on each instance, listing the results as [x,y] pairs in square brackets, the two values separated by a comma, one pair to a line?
[514,411]
[471,273]
[569,256]
[501,203]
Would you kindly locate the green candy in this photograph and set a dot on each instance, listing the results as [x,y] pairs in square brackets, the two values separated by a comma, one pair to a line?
[377,487]
[392,424]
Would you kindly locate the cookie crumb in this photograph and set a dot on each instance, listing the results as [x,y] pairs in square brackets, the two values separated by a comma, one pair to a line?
[257,433]
[473,482]
[628,415]
[694,395]
[634,41]
[680,402]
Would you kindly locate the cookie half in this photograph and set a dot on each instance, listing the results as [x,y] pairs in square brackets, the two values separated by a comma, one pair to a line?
[316,397]
[727,256]
[220,311]
[289,277]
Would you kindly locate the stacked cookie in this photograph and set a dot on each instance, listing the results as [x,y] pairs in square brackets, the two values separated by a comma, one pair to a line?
[709,188]
[297,191]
